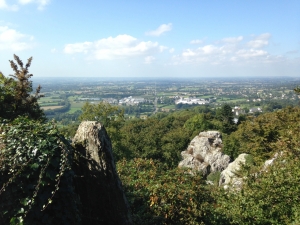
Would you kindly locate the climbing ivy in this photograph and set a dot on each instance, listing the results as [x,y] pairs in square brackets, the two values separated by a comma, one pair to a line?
[35,174]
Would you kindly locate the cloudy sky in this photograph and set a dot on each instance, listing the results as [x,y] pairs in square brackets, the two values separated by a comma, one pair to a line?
[169,38]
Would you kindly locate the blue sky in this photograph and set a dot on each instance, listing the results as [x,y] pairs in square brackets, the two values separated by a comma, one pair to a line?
[177,38]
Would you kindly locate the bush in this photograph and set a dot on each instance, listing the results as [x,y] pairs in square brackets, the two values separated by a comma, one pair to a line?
[160,196]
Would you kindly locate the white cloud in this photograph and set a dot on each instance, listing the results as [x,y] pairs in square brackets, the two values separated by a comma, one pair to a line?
[41,3]
[121,46]
[232,40]
[160,30]
[5,6]
[13,40]
[197,41]
[172,50]
[229,50]
[251,53]
[209,49]
[260,41]
[78,47]
[149,59]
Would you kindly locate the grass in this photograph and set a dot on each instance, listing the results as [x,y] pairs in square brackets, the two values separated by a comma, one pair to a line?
[168,107]
[77,104]
[51,107]
[48,104]
[74,109]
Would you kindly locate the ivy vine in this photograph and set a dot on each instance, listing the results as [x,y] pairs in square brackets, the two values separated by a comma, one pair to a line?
[35,174]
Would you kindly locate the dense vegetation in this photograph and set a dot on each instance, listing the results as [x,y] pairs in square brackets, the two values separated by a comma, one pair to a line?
[268,197]
[35,160]
[36,174]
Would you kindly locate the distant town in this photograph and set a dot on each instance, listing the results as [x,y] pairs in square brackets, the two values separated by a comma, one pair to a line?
[140,98]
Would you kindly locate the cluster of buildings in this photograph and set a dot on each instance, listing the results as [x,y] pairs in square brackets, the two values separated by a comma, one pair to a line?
[127,101]
[131,101]
[191,101]
[237,111]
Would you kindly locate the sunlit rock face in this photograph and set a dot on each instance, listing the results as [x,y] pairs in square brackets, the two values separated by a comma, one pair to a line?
[96,180]
[204,154]
[229,177]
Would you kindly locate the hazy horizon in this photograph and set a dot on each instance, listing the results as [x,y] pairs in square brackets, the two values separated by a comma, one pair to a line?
[152,39]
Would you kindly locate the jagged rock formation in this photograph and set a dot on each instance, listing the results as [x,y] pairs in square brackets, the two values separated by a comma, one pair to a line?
[204,153]
[96,181]
[229,177]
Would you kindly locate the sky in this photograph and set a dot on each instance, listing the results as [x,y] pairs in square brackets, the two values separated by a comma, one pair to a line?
[169,38]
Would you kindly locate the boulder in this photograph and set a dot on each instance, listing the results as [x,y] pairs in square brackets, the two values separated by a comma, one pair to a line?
[229,177]
[204,154]
[96,180]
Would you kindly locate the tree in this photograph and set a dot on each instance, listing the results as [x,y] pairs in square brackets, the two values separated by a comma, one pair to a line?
[225,115]
[297,90]
[199,123]
[103,112]
[15,93]
[260,136]
[112,117]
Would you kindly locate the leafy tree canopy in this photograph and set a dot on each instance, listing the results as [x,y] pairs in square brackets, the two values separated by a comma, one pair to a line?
[107,114]
[264,135]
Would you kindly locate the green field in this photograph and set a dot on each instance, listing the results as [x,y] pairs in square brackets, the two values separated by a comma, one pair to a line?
[168,107]
[72,110]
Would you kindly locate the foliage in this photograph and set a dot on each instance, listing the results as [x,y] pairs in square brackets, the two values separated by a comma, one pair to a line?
[160,196]
[35,175]
[103,112]
[297,90]
[198,123]
[112,117]
[270,197]
[214,177]
[15,93]
[225,116]
[69,131]
[162,139]
[262,136]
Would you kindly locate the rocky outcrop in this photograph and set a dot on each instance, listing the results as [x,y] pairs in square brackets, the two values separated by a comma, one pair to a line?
[204,153]
[229,177]
[270,162]
[96,180]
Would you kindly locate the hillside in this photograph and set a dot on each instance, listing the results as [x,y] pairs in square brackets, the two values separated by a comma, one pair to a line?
[42,181]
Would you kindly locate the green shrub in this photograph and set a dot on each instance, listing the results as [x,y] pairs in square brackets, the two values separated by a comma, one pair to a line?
[160,196]
[214,177]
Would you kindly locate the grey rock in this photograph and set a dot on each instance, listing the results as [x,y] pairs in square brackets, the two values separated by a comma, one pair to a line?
[97,182]
[204,154]
[229,177]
